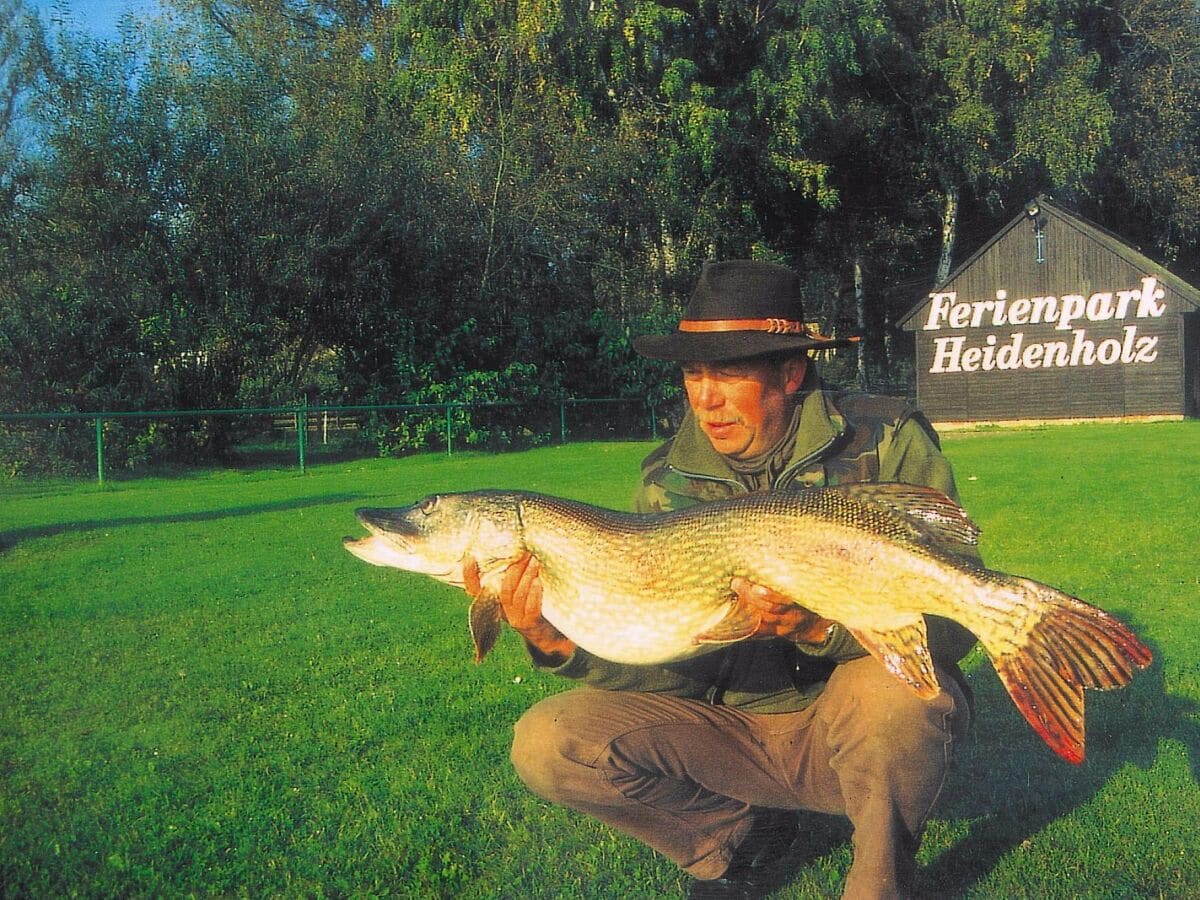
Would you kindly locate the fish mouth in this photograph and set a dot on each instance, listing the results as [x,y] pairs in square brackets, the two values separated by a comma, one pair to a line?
[387,523]
[389,533]
[395,542]
[382,550]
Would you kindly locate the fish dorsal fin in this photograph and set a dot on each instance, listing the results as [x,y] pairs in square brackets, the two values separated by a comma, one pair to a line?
[905,653]
[933,516]
[739,623]
[484,619]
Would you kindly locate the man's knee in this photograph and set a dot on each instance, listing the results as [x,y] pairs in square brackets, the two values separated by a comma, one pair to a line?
[540,748]
[871,709]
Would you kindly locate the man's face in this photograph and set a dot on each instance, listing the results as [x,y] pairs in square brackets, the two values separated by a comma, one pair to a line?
[743,406]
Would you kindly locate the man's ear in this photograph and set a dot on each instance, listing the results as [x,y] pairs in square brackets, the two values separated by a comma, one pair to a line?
[794,370]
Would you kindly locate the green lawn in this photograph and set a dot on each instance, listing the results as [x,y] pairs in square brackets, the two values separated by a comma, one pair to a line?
[203,693]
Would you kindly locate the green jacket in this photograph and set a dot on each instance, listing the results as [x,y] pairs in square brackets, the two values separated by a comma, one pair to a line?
[841,438]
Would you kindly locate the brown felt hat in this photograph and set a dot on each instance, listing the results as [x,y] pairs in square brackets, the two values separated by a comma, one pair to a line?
[740,308]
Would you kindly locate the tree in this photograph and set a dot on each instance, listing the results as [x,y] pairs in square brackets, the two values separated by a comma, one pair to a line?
[996,95]
[1149,185]
[489,198]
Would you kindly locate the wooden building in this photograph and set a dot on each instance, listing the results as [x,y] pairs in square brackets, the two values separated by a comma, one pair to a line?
[1055,318]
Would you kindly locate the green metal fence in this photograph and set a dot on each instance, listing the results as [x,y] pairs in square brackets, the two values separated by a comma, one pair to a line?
[304,420]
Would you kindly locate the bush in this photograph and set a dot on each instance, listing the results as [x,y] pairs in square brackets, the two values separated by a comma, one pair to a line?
[44,449]
[495,414]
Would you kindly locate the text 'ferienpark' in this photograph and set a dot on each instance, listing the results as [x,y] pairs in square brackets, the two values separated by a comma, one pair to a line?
[1068,313]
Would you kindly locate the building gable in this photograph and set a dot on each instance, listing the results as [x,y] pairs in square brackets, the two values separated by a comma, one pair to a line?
[1054,317]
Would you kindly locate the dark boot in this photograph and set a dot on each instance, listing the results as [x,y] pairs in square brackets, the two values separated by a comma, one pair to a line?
[754,869]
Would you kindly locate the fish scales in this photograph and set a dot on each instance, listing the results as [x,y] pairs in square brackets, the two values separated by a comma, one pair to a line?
[635,594]
[690,556]
[645,589]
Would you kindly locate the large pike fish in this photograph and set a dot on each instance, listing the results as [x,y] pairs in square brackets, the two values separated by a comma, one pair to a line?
[877,558]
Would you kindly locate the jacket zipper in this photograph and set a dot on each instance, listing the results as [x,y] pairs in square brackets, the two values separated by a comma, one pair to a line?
[788,475]
[716,479]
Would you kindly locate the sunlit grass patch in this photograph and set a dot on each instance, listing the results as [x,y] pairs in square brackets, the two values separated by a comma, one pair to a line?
[204,693]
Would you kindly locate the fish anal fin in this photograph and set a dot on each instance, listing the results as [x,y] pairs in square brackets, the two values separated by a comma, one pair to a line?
[484,619]
[739,623]
[905,653]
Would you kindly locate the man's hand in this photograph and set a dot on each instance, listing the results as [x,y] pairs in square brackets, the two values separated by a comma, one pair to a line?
[780,616]
[520,600]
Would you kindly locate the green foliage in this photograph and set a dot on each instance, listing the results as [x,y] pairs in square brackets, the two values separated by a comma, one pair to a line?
[40,452]
[364,201]
[492,415]
[1151,170]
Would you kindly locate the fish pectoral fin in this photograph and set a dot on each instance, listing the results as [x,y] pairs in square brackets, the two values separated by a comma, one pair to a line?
[905,653]
[739,623]
[484,619]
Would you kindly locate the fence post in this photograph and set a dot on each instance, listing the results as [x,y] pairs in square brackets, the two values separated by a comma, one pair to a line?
[449,423]
[302,431]
[562,421]
[653,421]
[99,449]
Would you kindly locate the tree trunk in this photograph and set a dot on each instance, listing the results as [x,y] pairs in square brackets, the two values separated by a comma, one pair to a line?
[860,315]
[889,366]
[949,233]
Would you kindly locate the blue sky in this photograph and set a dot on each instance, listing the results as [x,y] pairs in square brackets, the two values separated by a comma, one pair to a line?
[100,17]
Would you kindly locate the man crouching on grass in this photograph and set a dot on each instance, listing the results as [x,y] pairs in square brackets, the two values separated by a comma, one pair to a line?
[712,761]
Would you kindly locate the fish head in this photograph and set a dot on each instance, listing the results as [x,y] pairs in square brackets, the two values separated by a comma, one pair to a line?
[437,534]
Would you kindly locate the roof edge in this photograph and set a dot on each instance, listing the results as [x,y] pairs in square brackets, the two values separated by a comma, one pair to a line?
[1112,241]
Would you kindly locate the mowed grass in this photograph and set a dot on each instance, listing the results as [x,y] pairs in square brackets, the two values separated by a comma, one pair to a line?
[203,693]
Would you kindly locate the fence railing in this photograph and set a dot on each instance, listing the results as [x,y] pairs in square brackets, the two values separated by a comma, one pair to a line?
[304,420]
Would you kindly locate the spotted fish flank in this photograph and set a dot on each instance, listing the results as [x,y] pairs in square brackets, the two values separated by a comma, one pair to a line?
[645,589]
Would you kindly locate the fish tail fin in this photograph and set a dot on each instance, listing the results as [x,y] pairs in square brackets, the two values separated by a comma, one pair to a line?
[1072,646]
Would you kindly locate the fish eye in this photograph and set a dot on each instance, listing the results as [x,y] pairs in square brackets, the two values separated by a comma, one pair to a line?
[428,504]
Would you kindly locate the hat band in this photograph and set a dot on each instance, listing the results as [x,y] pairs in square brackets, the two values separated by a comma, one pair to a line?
[770,326]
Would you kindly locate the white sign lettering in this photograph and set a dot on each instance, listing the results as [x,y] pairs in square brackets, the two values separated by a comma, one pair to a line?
[1068,313]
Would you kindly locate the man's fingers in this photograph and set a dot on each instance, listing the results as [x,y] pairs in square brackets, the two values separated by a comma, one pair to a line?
[760,596]
[521,591]
[529,584]
[781,616]
[512,575]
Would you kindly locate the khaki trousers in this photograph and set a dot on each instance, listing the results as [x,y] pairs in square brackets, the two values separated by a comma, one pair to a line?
[684,776]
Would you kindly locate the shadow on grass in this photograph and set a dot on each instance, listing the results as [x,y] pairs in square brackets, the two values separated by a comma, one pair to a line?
[9,539]
[1009,786]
